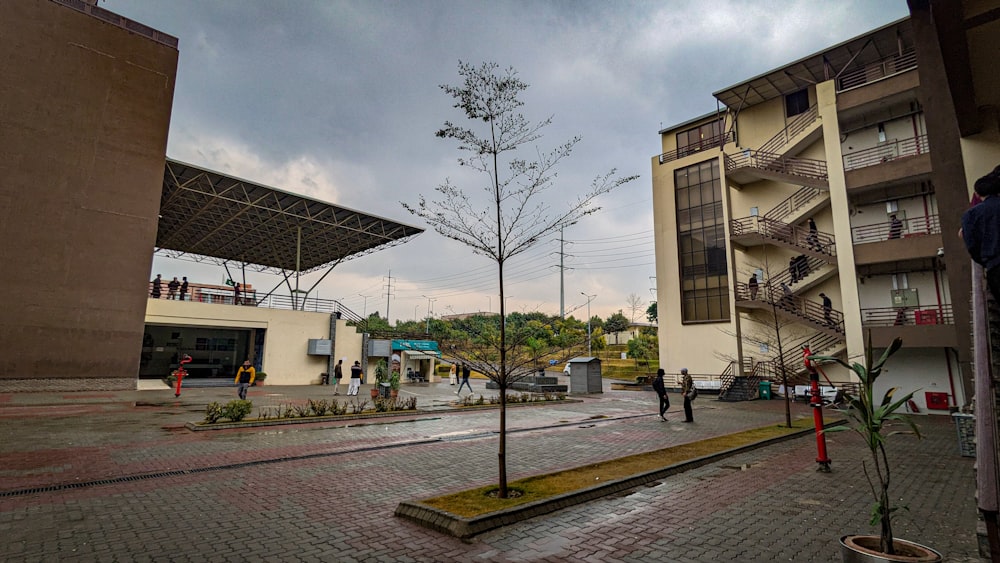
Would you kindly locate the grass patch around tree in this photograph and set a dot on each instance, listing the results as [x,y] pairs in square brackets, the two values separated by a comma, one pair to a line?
[478,502]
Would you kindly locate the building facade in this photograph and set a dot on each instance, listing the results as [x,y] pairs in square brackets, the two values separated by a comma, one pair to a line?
[86,108]
[807,212]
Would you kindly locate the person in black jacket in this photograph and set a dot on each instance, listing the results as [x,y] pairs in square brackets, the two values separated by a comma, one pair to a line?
[661,392]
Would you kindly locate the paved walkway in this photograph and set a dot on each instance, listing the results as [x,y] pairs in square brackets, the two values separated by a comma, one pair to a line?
[116,476]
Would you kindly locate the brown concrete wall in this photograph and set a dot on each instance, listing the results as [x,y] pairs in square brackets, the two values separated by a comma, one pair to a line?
[905,169]
[878,90]
[84,110]
[898,250]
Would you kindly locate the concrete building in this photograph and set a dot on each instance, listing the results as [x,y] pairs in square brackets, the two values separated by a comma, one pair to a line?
[819,178]
[86,107]
[88,196]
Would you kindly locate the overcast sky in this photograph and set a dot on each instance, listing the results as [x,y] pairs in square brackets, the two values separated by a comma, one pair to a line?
[340,101]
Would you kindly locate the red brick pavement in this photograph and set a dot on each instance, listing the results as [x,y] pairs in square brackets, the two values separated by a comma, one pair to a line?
[769,504]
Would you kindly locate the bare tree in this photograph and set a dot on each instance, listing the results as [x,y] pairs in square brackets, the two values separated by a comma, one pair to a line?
[510,221]
[635,303]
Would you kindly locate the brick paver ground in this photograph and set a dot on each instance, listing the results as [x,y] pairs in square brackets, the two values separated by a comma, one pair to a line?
[326,492]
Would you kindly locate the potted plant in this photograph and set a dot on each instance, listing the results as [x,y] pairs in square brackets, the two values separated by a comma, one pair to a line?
[258,380]
[381,375]
[870,421]
[394,384]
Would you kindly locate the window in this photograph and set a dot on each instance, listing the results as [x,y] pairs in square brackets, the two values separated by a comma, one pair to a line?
[698,138]
[796,103]
[701,243]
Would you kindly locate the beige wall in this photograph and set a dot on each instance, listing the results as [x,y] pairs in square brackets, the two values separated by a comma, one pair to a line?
[702,348]
[84,114]
[287,338]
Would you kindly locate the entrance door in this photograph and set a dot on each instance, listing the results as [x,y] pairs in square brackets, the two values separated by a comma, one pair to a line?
[215,352]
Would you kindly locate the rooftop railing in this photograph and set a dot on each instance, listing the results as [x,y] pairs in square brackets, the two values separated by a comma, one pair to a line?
[708,143]
[871,72]
[120,21]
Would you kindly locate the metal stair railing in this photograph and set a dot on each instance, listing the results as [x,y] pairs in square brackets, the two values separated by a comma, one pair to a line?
[800,237]
[774,162]
[804,309]
[796,126]
[793,203]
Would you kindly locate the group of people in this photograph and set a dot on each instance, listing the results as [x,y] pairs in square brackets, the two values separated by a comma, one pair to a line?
[453,373]
[356,374]
[688,392]
[798,267]
[174,287]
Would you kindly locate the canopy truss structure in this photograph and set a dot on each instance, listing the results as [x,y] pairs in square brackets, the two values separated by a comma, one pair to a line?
[854,54]
[210,216]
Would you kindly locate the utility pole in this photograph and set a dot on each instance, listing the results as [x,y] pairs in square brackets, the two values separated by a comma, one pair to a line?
[589,299]
[388,294]
[364,313]
[562,276]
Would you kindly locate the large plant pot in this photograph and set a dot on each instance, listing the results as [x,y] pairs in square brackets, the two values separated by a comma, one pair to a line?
[865,549]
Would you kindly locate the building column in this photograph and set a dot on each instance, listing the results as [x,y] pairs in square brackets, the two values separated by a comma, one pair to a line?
[826,97]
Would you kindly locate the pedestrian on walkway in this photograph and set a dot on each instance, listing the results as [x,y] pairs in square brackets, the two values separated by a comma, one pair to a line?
[453,375]
[157,288]
[465,379]
[244,379]
[689,393]
[754,286]
[661,391]
[184,288]
[355,385]
[827,309]
[338,374]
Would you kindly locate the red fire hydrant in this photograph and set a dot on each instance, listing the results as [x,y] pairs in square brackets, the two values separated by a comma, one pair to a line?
[816,402]
[180,373]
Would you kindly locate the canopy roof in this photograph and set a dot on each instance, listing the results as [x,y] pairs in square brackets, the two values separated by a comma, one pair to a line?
[221,218]
[854,53]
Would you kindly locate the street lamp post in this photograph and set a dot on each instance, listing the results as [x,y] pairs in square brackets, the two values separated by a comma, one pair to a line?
[427,329]
[415,307]
[364,310]
[589,299]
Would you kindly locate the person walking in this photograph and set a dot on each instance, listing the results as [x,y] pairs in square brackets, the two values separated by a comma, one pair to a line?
[338,374]
[793,268]
[244,379]
[661,391]
[453,375]
[754,286]
[979,229]
[172,288]
[689,393]
[465,379]
[184,288]
[827,309]
[157,288]
[355,385]
[236,294]
[814,236]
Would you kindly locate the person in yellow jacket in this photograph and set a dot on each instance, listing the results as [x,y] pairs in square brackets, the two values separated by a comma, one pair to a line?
[244,378]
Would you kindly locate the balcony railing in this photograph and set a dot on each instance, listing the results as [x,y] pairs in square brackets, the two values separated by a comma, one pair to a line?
[907,316]
[225,297]
[914,227]
[775,162]
[871,72]
[709,143]
[886,152]
[790,303]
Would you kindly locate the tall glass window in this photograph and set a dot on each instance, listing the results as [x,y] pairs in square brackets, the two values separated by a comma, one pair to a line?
[701,243]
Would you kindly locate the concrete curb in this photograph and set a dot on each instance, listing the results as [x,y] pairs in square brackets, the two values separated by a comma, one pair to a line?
[463,528]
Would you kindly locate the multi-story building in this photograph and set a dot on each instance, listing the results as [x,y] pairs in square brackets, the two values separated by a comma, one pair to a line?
[816,179]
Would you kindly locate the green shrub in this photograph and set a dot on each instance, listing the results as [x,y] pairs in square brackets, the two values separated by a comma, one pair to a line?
[237,410]
[213,412]
[320,407]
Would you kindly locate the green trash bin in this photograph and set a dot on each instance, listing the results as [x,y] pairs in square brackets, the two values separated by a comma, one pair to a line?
[765,390]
